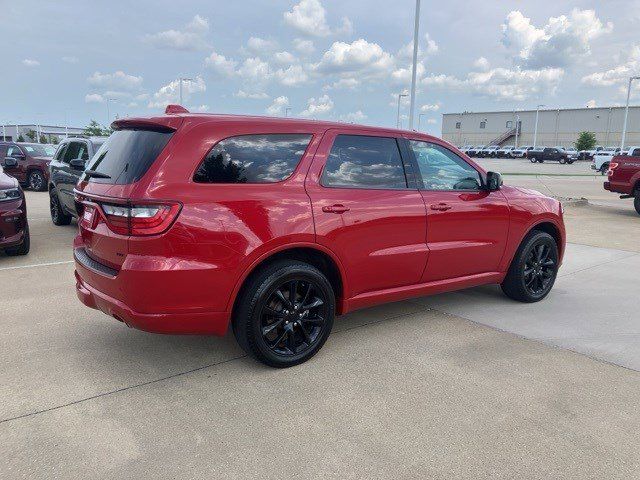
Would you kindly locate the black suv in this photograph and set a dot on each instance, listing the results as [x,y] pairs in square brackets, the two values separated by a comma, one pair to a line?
[64,171]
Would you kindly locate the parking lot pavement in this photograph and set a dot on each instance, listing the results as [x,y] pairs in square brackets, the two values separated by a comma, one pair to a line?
[416,389]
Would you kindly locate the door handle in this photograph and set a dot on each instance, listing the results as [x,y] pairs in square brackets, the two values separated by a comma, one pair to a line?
[337,208]
[440,207]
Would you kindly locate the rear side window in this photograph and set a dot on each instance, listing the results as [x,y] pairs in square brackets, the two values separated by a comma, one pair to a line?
[127,155]
[76,150]
[253,159]
[357,161]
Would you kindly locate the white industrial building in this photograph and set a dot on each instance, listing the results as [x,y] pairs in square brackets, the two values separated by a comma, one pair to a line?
[12,132]
[555,126]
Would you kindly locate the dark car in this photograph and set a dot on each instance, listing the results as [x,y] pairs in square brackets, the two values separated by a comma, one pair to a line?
[189,223]
[550,154]
[32,163]
[64,171]
[14,229]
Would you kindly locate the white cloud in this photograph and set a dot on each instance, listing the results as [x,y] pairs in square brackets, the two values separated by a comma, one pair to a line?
[402,76]
[347,83]
[284,58]
[251,95]
[501,83]
[254,68]
[359,56]
[310,17]
[29,62]
[560,42]
[292,76]
[482,64]
[278,106]
[353,117]
[618,75]
[432,121]
[199,108]
[220,65]
[318,107]
[406,51]
[93,98]
[192,37]
[258,46]
[170,93]
[70,59]
[591,104]
[433,107]
[305,47]
[115,80]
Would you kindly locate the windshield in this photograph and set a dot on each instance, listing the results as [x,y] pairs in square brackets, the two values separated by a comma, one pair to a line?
[36,150]
[127,155]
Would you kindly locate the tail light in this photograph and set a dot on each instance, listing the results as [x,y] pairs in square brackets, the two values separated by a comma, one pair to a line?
[612,167]
[140,220]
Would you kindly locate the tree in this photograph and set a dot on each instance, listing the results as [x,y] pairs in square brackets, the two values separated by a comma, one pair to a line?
[55,140]
[43,139]
[94,129]
[31,135]
[20,138]
[586,141]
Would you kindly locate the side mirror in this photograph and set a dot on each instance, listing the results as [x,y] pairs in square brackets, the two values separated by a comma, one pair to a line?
[494,181]
[10,162]
[77,164]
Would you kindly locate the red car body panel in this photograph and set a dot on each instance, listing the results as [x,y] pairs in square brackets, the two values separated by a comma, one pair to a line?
[625,177]
[386,247]
[27,164]
[13,215]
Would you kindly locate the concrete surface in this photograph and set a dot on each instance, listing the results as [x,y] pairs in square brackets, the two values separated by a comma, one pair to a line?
[407,390]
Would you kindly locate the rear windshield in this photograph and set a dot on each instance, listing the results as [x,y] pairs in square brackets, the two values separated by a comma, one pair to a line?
[127,155]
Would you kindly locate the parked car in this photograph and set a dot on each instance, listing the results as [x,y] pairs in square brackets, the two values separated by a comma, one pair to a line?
[550,154]
[624,176]
[588,154]
[14,227]
[521,152]
[474,151]
[601,161]
[505,152]
[64,171]
[32,163]
[465,149]
[489,152]
[189,222]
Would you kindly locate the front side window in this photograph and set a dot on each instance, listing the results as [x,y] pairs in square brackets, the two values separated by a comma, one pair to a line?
[76,150]
[441,169]
[358,161]
[14,151]
[253,159]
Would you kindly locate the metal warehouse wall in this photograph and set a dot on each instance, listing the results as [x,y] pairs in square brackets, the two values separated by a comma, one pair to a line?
[555,127]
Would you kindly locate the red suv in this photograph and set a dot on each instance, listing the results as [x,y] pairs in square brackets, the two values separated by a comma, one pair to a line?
[189,222]
[30,163]
[14,229]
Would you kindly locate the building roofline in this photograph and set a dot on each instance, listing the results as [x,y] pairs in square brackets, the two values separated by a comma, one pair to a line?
[541,110]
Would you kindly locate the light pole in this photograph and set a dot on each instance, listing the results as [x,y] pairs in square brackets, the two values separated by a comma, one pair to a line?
[400,95]
[626,113]
[180,80]
[415,64]
[420,119]
[535,131]
[517,129]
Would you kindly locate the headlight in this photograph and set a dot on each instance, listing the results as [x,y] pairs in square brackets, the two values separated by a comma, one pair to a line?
[10,194]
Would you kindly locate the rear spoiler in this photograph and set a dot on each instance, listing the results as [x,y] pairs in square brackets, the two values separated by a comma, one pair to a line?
[162,124]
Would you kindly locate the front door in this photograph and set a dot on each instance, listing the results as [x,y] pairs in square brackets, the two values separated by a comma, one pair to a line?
[366,211]
[467,226]
[68,175]
[20,171]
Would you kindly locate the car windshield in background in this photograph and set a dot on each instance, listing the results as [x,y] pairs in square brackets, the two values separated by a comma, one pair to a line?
[36,150]
[126,155]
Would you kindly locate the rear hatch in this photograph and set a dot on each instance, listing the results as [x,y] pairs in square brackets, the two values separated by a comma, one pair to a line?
[108,215]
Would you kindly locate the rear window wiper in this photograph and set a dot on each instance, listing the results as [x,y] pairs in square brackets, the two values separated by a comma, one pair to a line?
[95,174]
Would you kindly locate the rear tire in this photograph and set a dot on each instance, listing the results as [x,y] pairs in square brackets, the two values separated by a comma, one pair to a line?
[636,201]
[562,161]
[533,269]
[533,159]
[58,215]
[36,181]
[284,314]
[23,248]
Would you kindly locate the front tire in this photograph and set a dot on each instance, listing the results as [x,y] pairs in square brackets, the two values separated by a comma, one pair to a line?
[23,248]
[285,314]
[36,181]
[58,215]
[534,268]
[636,201]
[533,159]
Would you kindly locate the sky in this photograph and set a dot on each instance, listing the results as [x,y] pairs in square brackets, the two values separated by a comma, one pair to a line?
[77,60]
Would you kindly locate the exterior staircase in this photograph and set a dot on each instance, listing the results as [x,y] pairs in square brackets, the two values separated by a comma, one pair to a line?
[503,137]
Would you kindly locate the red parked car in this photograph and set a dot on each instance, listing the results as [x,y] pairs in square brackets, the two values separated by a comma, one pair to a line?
[189,222]
[31,166]
[624,176]
[14,229]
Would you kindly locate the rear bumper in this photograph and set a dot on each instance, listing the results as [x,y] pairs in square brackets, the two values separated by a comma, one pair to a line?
[622,188]
[191,323]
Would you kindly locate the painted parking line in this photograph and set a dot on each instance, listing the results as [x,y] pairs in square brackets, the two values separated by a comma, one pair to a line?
[36,265]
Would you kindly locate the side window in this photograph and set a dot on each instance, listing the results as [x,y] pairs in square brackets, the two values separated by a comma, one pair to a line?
[441,169]
[253,159]
[60,152]
[358,161]
[636,152]
[14,151]
[74,150]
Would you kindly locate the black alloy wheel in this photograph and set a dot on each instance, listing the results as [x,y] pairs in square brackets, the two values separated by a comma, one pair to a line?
[58,216]
[285,313]
[534,268]
[36,181]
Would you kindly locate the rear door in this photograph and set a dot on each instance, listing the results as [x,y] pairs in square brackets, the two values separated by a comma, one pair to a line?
[467,226]
[20,171]
[68,176]
[367,211]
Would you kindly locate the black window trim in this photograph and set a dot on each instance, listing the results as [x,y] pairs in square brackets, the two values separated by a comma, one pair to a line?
[312,136]
[410,185]
[419,179]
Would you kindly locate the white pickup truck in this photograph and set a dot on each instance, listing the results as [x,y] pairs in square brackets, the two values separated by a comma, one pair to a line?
[602,158]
